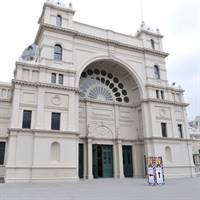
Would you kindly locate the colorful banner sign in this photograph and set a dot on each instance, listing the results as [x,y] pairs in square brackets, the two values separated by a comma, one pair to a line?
[155,172]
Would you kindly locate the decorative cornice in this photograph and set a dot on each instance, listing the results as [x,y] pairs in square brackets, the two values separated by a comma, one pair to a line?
[138,141]
[40,66]
[76,33]
[47,85]
[96,101]
[42,131]
[165,87]
[167,139]
[163,101]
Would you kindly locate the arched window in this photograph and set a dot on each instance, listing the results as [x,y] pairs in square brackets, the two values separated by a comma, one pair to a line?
[157,72]
[103,86]
[57,52]
[59,20]
[152,44]
[55,152]
[168,154]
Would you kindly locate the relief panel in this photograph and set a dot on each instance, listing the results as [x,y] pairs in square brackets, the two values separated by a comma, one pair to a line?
[128,132]
[162,113]
[103,112]
[56,100]
[126,116]
[102,128]
[28,98]
[103,132]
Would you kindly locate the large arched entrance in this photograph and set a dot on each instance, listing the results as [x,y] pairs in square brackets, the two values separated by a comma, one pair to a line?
[110,122]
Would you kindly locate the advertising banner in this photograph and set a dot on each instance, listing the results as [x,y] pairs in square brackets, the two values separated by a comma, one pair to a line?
[159,171]
[155,172]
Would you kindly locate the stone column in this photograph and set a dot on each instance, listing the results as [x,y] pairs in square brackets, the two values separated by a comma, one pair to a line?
[118,159]
[115,160]
[89,159]
[120,171]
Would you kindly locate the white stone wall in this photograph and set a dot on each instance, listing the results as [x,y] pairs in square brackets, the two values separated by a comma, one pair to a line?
[5,112]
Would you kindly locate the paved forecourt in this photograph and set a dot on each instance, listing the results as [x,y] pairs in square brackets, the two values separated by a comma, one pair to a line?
[103,189]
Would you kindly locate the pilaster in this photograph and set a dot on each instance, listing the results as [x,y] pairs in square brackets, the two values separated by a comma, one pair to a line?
[72,112]
[15,108]
[40,109]
[89,174]
[120,171]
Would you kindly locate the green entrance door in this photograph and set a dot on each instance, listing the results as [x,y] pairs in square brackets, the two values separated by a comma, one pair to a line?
[127,161]
[102,161]
[107,161]
[81,161]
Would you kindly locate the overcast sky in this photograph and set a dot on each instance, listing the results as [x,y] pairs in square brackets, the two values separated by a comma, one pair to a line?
[178,21]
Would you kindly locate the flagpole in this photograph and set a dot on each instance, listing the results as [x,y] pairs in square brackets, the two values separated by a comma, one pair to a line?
[141,10]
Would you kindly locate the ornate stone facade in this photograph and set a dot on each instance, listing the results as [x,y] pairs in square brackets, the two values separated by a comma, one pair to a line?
[111,97]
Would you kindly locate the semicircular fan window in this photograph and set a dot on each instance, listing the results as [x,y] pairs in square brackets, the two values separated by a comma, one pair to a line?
[101,93]
[98,84]
[91,88]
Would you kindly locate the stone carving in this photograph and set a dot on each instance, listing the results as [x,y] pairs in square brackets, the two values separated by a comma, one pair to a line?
[103,131]
[56,100]
[162,112]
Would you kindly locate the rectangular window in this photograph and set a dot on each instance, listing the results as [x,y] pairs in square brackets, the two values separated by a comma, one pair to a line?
[162,94]
[53,78]
[60,80]
[2,152]
[173,97]
[157,94]
[55,121]
[26,119]
[180,130]
[164,129]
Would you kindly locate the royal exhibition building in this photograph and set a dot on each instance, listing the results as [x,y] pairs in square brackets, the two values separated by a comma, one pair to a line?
[87,102]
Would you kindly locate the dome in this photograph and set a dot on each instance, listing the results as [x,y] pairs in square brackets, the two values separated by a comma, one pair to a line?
[57,2]
[30,52]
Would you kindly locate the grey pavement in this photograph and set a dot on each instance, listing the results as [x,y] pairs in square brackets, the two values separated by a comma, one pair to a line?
[103,189]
